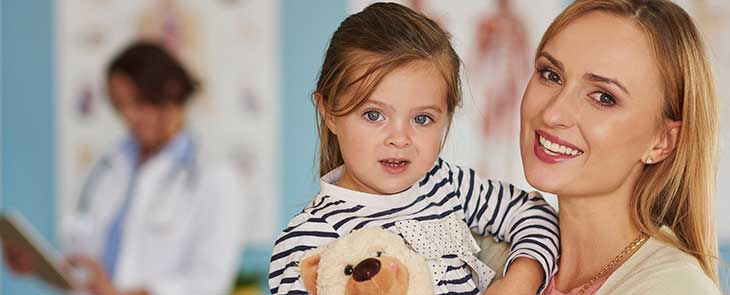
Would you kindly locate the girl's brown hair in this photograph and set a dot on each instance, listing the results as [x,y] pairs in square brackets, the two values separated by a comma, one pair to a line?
[365,48]
[678,192]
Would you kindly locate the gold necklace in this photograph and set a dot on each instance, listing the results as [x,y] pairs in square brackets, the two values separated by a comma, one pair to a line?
[630,249]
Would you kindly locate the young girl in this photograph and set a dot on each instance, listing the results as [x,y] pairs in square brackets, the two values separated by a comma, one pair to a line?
[386,95]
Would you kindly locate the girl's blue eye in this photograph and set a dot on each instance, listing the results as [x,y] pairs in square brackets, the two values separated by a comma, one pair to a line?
[549,75]
[603,98]
[423,120]
[373,116]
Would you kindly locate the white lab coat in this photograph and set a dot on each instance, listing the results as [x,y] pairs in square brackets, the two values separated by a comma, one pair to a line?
[182,233]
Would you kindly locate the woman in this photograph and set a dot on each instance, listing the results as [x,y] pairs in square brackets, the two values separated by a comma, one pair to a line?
[620,121]
[154,217]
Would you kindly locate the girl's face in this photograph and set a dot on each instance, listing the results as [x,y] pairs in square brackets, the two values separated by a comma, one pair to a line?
[591,110]
[150,125]
[392,140]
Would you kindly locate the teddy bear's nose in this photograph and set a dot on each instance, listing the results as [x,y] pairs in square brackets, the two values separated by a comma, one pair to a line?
[366,269]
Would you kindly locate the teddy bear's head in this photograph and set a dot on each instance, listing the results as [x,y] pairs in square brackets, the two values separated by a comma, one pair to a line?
[366,261]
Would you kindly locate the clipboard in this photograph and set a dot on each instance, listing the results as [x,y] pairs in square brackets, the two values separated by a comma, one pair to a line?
[52,268]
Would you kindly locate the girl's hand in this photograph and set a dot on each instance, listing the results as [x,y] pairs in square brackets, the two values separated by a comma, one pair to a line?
[524,276]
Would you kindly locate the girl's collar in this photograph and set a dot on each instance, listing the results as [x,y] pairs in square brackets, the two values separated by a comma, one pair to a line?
[328,187]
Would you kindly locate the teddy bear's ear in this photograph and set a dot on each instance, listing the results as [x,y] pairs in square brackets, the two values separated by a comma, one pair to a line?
[308,267]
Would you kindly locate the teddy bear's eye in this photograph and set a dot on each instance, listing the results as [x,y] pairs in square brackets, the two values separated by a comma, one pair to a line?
[379,253]
[348,270]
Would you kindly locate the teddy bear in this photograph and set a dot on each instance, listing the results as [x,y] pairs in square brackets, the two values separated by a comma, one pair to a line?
[366,261]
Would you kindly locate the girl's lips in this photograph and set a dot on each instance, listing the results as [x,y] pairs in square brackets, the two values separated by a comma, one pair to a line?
[395,166]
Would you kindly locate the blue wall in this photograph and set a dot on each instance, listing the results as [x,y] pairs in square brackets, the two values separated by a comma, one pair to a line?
[27,116]
[307,28]
[305,31]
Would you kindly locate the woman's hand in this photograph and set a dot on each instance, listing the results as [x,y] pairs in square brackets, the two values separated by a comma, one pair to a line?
[19,260]
[523,277]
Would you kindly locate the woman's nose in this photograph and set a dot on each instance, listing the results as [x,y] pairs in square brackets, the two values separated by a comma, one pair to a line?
[559,111]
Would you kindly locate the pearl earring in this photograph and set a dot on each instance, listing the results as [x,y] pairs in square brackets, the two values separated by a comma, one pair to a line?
[649,161]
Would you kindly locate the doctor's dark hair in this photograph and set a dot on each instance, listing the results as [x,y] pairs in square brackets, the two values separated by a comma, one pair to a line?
[159,77]
[366,47]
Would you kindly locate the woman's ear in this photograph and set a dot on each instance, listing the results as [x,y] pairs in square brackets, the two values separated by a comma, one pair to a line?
[328,120]
[665,143]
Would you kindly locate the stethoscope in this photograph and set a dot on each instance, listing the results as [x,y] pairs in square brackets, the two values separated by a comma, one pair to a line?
[187,164]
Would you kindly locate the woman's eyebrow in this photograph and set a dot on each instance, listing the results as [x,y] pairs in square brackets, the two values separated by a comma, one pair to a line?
[598,78]
[587,76]
[552,60]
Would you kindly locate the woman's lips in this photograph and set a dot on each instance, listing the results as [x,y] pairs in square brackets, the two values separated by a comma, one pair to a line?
[551,149]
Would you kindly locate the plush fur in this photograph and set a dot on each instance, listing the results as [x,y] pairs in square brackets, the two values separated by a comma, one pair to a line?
[367,261]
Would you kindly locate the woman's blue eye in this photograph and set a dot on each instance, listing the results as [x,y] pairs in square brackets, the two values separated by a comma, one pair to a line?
[603,98]
[373,116]
[422,120]
[550,76]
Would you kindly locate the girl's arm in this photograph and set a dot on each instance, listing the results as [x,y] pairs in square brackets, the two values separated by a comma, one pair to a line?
[509,214]
[303,233]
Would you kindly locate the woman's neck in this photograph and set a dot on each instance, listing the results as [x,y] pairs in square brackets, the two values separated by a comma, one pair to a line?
[593,230]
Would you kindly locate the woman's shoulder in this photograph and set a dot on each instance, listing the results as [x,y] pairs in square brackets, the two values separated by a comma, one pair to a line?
[659,268]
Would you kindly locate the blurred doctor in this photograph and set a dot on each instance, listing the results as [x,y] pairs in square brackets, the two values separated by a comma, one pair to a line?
[154,216]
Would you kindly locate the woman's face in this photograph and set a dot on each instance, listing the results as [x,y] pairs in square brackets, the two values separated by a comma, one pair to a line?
[590,113]
[150,125]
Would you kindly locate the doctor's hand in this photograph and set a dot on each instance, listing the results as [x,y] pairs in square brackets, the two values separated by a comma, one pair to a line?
[19,260]
[97,281]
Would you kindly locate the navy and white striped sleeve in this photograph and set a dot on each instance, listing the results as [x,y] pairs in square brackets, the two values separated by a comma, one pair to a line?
[303,233]
[510,214]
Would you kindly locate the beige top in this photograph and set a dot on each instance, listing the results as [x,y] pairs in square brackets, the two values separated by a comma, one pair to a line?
[657,268]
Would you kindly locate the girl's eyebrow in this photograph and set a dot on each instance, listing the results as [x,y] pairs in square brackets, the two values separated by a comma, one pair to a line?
[379,104]
[434,108]
[384,105]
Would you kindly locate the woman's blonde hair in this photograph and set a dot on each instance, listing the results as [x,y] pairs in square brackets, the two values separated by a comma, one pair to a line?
[678,192]
[365,48]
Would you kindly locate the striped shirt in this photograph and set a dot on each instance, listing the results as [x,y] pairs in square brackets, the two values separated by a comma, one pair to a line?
[493,208]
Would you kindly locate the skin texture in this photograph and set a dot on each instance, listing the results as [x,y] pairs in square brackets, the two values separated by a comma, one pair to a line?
[615,128]
[404,119]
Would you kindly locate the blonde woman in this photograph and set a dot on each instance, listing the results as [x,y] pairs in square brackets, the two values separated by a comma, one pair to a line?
[619,120]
